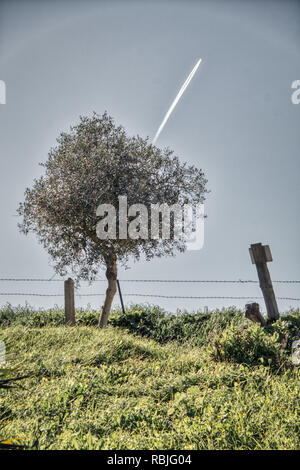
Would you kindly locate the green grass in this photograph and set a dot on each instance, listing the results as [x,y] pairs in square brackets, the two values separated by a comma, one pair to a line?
[212,382]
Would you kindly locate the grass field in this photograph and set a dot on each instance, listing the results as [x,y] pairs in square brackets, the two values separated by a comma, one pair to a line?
[150,381]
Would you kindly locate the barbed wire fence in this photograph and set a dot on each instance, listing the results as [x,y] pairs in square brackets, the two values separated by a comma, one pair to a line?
[260,255]
[69,292]
[154,295]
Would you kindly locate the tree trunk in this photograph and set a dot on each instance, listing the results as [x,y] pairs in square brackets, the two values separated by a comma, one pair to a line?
[111,274]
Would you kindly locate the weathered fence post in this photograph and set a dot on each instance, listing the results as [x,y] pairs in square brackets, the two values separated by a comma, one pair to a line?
[69,302]
[121,298]
[260,255]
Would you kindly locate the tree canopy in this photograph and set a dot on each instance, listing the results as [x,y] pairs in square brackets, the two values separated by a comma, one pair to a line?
[95,163]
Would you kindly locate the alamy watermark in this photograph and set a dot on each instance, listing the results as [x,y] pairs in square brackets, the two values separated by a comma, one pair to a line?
[159,221]
[2,92]
[295,97]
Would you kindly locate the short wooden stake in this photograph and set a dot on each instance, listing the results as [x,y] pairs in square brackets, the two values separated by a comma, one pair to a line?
[253,314]
[69,303]
[260,255]
[121,298]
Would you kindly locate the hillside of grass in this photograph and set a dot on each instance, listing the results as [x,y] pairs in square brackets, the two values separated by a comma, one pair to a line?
[150,381]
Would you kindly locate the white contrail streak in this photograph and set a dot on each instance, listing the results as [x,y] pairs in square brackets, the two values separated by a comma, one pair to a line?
[180,93]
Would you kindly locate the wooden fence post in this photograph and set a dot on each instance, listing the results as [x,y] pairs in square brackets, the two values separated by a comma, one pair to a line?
[69,303]
[260,255]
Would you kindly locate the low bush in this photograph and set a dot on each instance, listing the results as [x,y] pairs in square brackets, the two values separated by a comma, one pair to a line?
[250,344]
[154,322]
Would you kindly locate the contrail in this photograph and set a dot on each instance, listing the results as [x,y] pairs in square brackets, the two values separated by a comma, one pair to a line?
[180,93]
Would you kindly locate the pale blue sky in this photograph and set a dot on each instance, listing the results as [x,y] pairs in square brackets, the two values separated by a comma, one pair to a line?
[236,121]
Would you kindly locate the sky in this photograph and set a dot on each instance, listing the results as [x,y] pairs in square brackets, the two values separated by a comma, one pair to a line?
[236,121]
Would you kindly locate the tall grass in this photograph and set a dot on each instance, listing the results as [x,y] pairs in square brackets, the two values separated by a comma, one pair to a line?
[151,381]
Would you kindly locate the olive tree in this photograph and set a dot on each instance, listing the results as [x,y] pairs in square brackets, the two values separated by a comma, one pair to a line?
[92,164]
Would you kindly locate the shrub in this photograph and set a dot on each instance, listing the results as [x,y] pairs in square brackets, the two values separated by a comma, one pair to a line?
[31,317]
[250,344]
[88,318]
[154,322]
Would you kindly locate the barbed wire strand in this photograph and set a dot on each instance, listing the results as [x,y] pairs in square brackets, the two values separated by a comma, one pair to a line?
[146,295]
[239,281]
